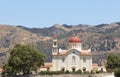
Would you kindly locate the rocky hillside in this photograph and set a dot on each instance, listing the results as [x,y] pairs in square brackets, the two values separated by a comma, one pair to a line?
[10,36]
[102,39]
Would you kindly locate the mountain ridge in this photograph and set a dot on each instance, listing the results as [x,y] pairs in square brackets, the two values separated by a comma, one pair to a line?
[102,38]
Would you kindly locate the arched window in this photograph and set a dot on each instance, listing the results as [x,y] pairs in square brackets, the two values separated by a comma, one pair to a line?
[73,69]
[84,69]
[63,59]
[48,69]
[73,59]
[84,59]
[63,69]
[55,43]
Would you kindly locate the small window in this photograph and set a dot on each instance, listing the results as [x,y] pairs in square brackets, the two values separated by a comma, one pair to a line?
[63,59]
[63,69]
[84,59]
[55,43]
[48,69]
[73,69]
[84,69]
[73,59]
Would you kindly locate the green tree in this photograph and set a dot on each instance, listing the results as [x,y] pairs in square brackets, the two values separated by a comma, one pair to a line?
[113,62]
[24,59]
[117,73]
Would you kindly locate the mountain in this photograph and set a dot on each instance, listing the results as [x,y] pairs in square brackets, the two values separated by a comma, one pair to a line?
[102,38]
[10,36]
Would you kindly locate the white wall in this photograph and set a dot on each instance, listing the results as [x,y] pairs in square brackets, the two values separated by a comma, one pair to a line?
[87,64]
[70,63]
[58,64]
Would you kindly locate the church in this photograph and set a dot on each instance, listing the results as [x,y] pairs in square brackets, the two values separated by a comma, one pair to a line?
[72,59]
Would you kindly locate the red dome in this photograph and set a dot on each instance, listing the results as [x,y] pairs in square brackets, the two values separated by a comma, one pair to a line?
[74,39]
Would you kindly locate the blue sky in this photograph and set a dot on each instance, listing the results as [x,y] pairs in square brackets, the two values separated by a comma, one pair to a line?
[45,13]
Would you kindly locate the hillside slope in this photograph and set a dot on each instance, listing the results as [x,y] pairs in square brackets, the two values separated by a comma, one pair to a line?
[102,39]
[10,36]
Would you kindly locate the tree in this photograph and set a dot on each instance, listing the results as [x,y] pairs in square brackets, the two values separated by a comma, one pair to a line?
[113,62]
[117,73]
[24,59]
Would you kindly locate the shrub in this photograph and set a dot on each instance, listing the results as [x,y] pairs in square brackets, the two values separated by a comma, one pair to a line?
[67,71]
[117,73]
[86,72]
[45,72]
[92,71]
[79,71]
[98,71]
[51,72]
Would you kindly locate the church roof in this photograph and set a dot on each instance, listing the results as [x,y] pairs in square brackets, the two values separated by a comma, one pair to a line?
[74,39]
[1,69]
[46,65]
[85,53]
[95,66]
[64,52]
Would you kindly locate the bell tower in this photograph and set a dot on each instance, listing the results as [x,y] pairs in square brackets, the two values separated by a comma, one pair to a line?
[55,44]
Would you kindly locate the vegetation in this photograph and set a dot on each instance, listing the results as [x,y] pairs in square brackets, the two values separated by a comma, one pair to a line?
[62,72]
[78,71]
[117,73]
[23,59]
[100,38]
[113,62]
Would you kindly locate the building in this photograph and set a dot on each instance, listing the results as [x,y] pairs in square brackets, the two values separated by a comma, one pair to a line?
[72,59]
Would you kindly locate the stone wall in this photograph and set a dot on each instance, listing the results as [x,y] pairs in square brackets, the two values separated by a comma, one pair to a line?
[70,75]
[65,75]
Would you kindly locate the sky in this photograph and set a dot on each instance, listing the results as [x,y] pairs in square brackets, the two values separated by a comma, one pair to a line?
[45,13]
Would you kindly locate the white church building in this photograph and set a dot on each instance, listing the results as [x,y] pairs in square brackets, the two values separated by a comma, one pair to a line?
[72,59]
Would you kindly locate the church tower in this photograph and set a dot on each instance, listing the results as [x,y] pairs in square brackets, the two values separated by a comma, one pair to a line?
[55,44]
